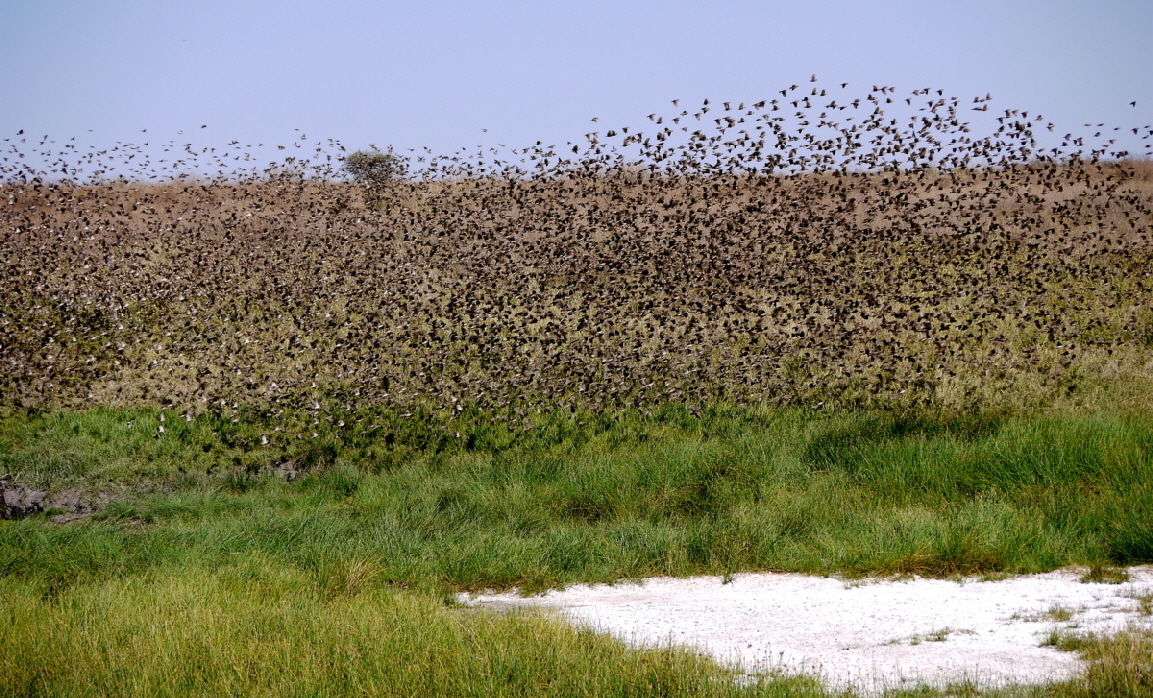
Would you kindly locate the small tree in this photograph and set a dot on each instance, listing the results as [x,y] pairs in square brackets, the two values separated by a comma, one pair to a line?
[374,169]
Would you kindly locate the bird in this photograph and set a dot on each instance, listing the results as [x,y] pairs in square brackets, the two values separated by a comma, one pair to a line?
[585,283]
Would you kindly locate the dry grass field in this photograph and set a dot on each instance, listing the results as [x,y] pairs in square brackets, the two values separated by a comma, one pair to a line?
[1006,287]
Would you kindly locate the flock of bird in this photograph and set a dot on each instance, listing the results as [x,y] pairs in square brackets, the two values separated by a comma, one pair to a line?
[806,250]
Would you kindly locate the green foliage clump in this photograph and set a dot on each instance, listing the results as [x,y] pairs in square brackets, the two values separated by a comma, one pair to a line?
[375,169]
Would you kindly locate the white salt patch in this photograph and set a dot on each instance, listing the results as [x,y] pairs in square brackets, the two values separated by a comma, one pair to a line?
[866,634]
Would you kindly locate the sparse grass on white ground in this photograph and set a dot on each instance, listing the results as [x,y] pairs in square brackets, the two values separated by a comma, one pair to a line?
[869,634]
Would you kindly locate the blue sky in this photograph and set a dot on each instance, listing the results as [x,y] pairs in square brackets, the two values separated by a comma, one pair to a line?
[437,73]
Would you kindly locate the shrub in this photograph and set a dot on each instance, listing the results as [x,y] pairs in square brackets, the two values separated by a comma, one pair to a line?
[374,169]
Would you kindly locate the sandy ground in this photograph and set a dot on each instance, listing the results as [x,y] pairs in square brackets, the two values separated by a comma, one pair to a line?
[866,634]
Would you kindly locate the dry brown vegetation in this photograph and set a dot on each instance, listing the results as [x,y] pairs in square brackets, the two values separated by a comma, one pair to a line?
[773,267]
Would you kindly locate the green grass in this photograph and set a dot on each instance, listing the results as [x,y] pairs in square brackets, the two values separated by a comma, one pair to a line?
[256,628]
[391,516]
[602,498]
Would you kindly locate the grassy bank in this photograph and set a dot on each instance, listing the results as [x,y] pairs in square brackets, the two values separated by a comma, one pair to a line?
[211,572]
[596,498]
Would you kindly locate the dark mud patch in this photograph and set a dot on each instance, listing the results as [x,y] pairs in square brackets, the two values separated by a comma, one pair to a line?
[20,501]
